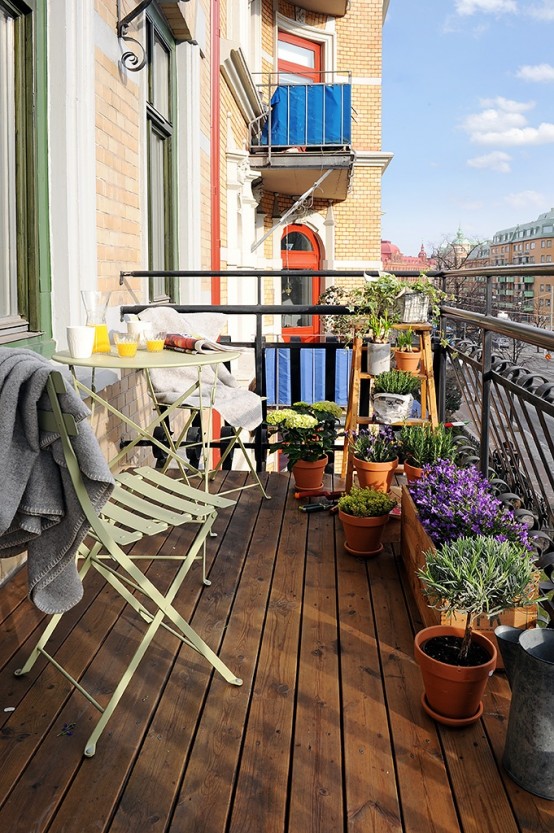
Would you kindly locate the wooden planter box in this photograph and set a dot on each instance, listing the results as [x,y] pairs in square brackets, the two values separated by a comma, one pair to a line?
[414,541]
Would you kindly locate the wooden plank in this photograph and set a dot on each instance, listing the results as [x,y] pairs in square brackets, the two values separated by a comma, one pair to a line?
[206,796]
[423,785]
[370,780]
[316,792]
[261,797]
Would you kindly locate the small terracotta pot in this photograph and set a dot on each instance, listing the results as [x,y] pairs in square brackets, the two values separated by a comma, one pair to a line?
[412,472]
[407,361]
[363,535]
[309,475]
[453,692]
[375,475]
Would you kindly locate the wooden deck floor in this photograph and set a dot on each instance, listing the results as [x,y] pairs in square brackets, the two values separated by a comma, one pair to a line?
[326,735]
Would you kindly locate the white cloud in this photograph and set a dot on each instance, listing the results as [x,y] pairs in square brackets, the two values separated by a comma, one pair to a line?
[543,11]
[495,161]
[536,73]
[469,7]
[502,123]
[523,199]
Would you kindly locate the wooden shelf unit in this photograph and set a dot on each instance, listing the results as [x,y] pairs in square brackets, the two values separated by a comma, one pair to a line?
[428,397]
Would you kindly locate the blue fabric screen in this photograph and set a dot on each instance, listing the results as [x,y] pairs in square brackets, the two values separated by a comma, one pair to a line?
[310,114]
[313,383]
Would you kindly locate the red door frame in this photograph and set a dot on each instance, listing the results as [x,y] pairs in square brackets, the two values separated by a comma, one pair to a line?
[307,261]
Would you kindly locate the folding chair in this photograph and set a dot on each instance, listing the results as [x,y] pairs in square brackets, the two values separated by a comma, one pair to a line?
[144,503]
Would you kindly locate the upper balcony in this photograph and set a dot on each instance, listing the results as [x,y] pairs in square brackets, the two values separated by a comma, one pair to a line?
[304,137]
[336,8]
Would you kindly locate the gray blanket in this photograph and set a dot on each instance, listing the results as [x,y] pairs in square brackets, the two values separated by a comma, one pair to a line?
[39,510]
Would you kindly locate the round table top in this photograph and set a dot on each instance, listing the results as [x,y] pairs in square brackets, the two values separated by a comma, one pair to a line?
[144,360]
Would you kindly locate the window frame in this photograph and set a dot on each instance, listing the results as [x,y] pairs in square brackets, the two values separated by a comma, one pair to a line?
[32,260]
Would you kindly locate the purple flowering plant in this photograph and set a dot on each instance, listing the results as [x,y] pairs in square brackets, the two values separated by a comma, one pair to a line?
[376,444]
[453,502]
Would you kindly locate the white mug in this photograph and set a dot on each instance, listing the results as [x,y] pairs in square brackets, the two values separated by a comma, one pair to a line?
[80,341]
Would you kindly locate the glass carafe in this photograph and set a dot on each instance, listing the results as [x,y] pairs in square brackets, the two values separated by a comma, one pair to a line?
[96,304]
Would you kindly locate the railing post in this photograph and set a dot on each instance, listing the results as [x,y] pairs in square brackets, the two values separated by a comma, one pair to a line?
[486,354]
[440,381]
[259,451]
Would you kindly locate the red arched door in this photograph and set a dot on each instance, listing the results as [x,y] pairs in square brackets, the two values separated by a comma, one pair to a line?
[300,250]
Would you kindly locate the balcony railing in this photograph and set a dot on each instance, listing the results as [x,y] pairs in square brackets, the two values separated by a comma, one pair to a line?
[311,115]
[499,368]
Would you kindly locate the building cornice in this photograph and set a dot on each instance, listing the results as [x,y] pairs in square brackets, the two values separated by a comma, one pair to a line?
[372,159]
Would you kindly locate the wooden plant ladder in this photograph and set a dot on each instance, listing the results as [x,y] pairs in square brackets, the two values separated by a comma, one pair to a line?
[354,419]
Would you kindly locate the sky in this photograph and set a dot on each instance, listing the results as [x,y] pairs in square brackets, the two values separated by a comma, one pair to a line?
[468,112]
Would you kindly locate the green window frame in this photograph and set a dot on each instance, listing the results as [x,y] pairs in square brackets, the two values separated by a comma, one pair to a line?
[24,255]
[161,158]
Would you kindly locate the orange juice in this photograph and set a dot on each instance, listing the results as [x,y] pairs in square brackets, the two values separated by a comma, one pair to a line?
[127,349]
[101,338]
[154,345]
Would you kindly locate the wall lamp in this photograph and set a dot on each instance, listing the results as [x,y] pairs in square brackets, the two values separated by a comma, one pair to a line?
[129,59]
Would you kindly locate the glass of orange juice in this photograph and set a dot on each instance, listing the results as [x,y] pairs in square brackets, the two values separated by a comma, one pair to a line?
[126,344]
[155,342]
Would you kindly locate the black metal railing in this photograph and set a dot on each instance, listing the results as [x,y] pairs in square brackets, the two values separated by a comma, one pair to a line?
[508,406]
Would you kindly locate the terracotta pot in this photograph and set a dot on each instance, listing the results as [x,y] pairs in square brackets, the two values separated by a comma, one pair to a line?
[453,692]
[309,475]
[407,361]
[375,475]
[363,535]
[412,472]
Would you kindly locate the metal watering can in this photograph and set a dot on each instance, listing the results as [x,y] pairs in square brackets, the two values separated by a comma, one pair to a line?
[529,752]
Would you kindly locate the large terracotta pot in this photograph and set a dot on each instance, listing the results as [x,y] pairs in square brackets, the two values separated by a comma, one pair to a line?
[412,472]
[363,535]
[309,475]
[407,361]
[375,475]
[453,692]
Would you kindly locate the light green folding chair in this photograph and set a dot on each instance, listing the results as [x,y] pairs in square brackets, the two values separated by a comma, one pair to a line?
[145,502]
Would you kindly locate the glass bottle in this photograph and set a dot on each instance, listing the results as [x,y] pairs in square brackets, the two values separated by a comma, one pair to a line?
[96,304]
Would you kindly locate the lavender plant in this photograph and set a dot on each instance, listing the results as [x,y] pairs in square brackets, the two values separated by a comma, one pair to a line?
[453,502]
[374,445]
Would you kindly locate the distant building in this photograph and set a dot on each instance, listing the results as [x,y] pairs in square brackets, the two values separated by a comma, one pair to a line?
[394,260]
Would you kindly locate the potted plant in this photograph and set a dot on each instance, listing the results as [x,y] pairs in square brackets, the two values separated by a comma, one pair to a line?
[375,302]
[422,445]
[417,299]
[393,393]
[374,453]
[363,514]
[473,575]
[306,434]
[406,355]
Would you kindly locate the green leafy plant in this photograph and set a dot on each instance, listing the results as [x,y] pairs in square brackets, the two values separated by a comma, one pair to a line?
[372,309]
[305,431]
[366,503]
[423,445]
[478,575]
[424,285]
[374,445]
[396,381]
[404,341]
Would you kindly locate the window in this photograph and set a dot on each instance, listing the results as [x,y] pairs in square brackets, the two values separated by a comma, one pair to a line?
[299,60]
[161,201]
[18,205]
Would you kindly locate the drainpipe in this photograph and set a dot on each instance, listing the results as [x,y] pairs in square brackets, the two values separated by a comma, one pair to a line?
[215,193]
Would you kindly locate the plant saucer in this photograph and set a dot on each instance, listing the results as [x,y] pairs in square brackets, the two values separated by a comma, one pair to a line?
[454,722]
[363,553]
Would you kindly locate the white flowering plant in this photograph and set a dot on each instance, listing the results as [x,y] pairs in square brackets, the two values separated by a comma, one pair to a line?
[304,431]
